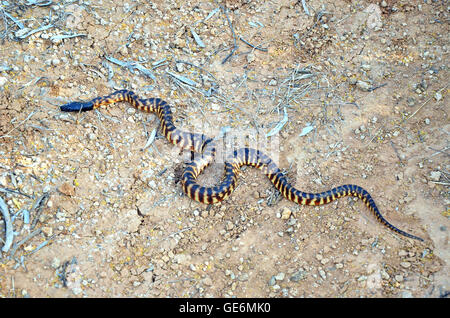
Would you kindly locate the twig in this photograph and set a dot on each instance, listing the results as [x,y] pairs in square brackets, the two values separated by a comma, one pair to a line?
[183,79]
[235,46]
[396,152]
[41,245]
[442,183]
[132,65]
[8,226]
[439,151]
[305,8]
[28,117]
[38,206]
[198,67]
[424,104]
[6,190]
[376,87]
[25,239]
[253,46]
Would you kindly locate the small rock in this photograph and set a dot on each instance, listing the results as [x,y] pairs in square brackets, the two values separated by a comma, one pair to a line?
[402,253]
[48,231]
[243,277]
[207,281]
[298,276]
[182,258]
[438,96]
[56,263]
[364,86]
[67,189]
[435,175]
[76,290]
[411,101]
[179,67]
[366,67]
[272,281]
[250,57]
[22,32]
[273,82]
[123,50]
[279,276]
[362,278]
[374,17]
[3,81]
[322,274]
[286,213]
[399,278]
[406,294]
[405,264]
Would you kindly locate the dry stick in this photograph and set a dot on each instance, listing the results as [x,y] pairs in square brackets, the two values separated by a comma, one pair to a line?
[257,47]
[424,104]
[8,225]
[38,206]
[235,46]
[20,124]
[21,242]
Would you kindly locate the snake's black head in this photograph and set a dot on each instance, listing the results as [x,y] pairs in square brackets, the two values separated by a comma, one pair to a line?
[77,107]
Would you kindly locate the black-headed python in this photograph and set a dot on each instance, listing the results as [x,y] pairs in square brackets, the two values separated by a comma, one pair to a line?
[245,156]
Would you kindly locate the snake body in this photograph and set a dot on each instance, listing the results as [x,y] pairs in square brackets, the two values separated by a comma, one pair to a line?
[206,146]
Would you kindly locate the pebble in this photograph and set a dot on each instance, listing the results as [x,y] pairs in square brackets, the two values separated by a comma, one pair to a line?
[48,231]
[279,276]
[250,57]
[405,264]
[273,82]
[298,276]
[67,189]
[229,226]
[22,32]
[364,86]
[286,213]
[435,175]
[365,67]
[272,281]
[399,278]
[56,263]
[402,253]
[438,96]
[179,67]
[411,101]
[322,274]
[3,81]
[406,294]
[76,290]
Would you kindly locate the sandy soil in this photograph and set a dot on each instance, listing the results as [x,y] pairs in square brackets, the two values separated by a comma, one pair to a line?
[369,77]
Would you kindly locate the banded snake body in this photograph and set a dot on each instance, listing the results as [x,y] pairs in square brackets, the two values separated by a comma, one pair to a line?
[206,146]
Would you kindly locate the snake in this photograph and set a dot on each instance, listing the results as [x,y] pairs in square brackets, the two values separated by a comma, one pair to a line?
[206,146]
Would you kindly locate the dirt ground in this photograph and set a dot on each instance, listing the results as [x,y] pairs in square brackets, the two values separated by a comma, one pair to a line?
[353,92]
